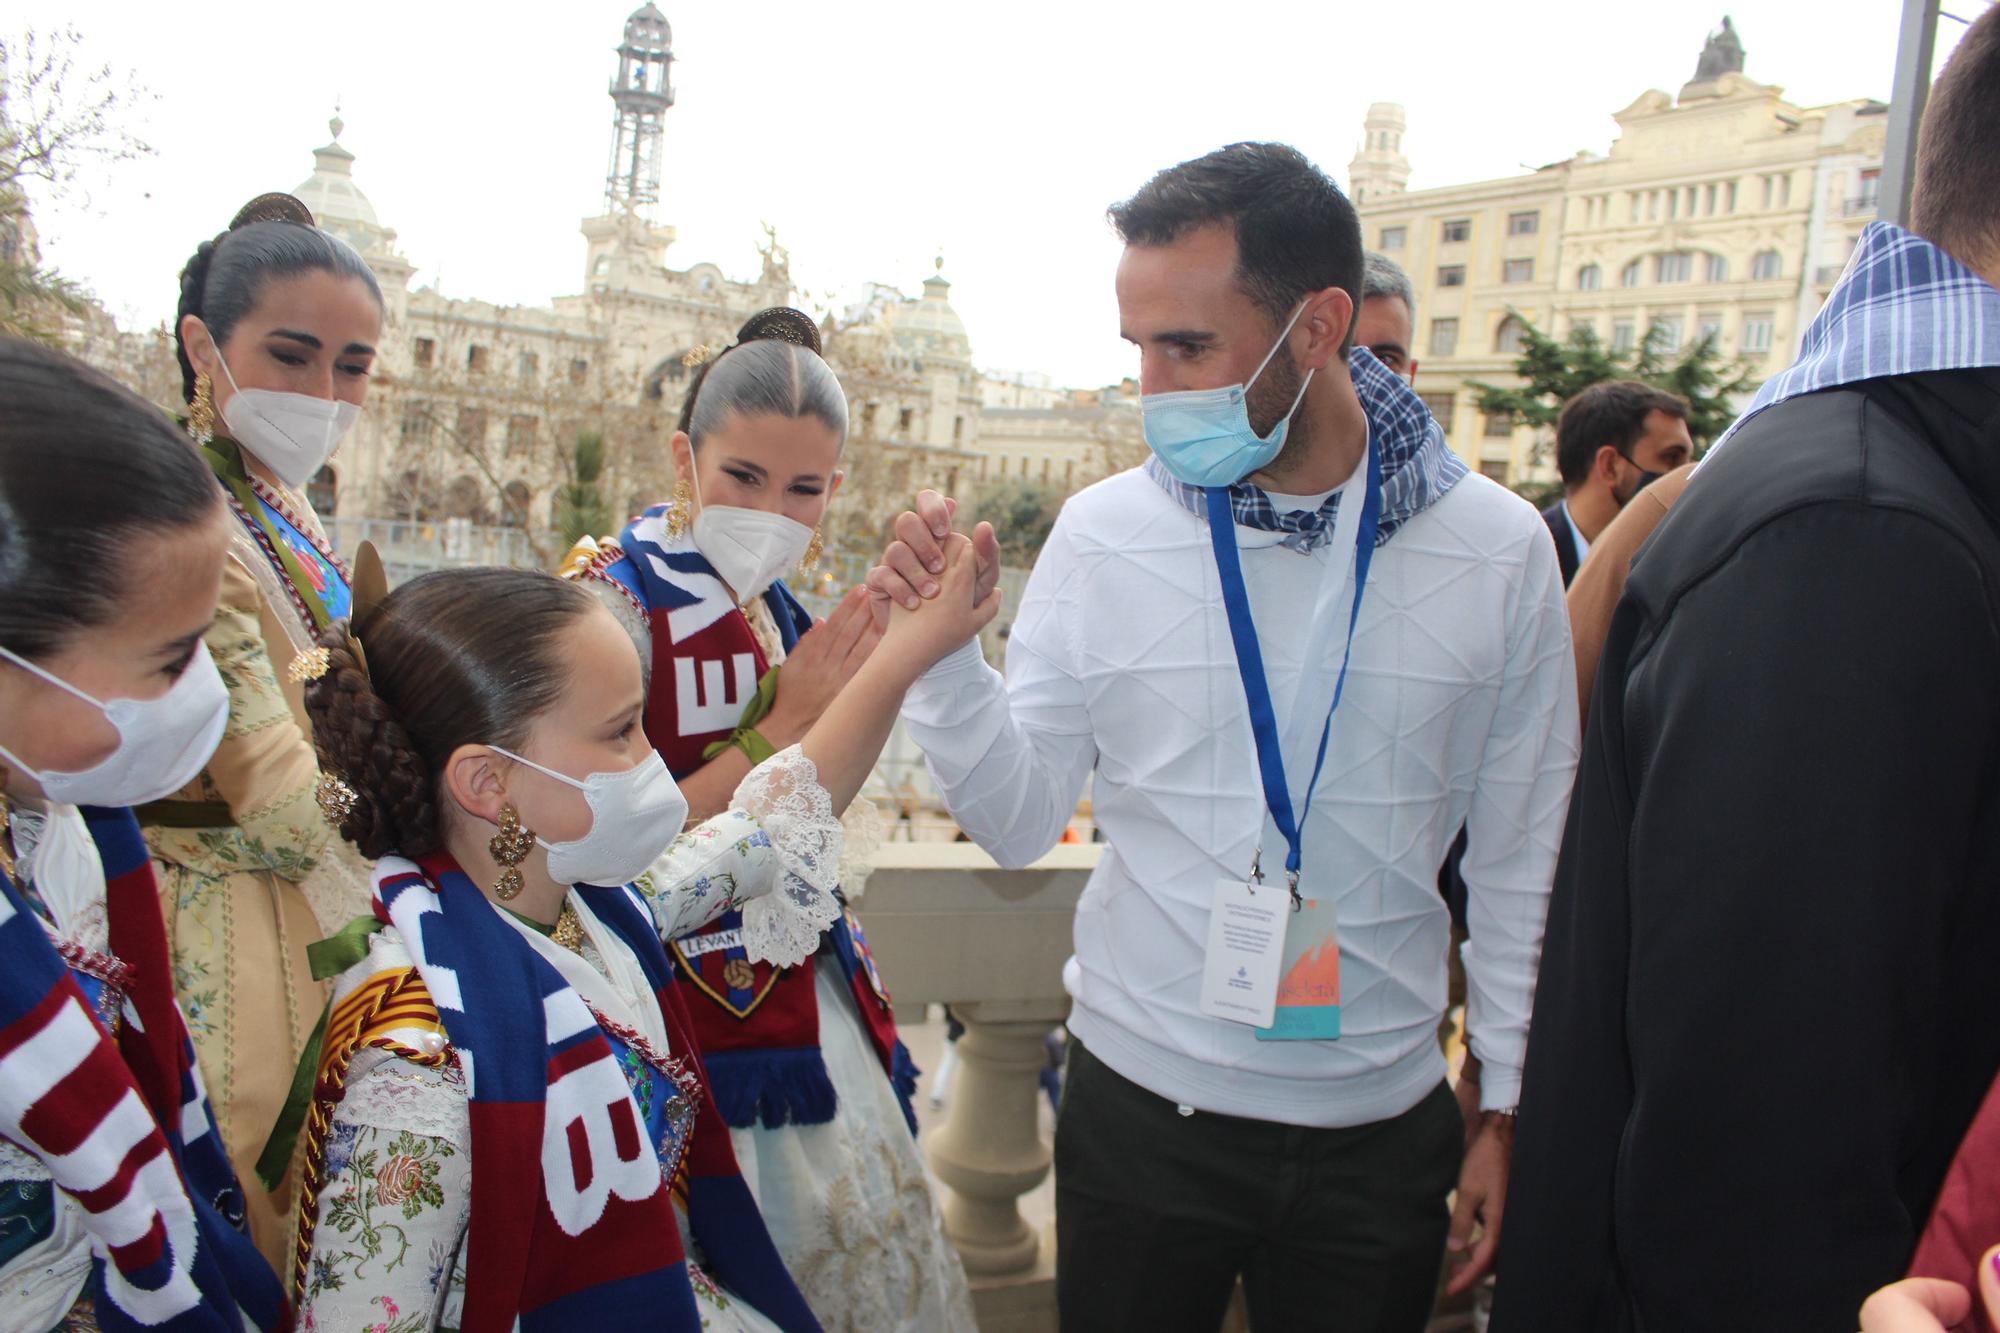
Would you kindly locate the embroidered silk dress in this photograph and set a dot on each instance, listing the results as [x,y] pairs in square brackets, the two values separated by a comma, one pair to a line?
[249,871]
[805,1061]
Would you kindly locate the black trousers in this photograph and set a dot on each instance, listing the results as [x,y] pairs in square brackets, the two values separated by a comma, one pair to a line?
[1158,1214]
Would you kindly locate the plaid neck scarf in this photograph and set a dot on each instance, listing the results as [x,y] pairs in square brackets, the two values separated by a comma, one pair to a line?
[1418,467]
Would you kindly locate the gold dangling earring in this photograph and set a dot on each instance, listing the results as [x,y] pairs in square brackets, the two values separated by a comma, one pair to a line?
[201,411]
[680,510]
[817,548]
[510,846]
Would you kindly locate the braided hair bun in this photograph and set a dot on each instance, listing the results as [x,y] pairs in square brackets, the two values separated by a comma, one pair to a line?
[359,739]
[775,366]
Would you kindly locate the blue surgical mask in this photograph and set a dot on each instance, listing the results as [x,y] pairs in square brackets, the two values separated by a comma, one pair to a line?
[1203,436]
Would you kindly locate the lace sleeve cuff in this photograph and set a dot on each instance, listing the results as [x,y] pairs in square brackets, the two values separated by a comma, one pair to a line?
[784,796]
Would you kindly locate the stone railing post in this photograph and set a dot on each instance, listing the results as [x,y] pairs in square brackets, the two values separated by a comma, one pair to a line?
[990,1150]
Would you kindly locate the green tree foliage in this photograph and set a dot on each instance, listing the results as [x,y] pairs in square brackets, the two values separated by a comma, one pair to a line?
[581,510]
[1553,372]
[1022,513]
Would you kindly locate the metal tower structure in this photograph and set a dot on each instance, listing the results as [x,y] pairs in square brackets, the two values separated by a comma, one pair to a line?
[641,91]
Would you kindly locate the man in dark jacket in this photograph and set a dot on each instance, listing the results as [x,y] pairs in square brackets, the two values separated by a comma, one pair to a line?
[1770,991]
[1611,440]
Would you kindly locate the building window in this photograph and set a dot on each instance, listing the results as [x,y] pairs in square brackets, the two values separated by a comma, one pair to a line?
[472,427]
[1518,270]
[868,420]
[1729,205]
[520,434]
[1441,405]
[1629,275]
[903,420]
[1709,330]
[1676,267]
[1673,204]
[1045,471]
[1455,230]
[1871,187]
[1589,278]
[529,367]
[1508,339]
[1524,224]
[1394,238]
[958,430]
[1718,269]
[579,371]
[1624,335]
[1451,275]
[1767,265]
[425,352]
[1494,469]
[1499,425]
[1444,337]
[416,423]
[1757,333]
[514,513]
[1665,333]
[323,492]
[1069,474]
[1708,200]
[476,359]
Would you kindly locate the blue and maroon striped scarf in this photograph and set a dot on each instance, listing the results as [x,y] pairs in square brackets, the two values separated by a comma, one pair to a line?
[573,1224]
[123,1125]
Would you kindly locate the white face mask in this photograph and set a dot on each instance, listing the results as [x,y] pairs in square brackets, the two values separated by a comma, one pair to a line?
[750,548]
[634,817]
[162,743]
[293,434]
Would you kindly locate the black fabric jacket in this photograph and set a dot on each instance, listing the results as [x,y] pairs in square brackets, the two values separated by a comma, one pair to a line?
[1565,540]
[1770,992]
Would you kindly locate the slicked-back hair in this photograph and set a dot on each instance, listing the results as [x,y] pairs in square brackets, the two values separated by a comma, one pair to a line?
[1956,203]
[1296,233]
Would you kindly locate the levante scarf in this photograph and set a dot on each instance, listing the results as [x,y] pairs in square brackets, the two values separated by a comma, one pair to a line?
[123,1125]
[573,1222]
[758,1025]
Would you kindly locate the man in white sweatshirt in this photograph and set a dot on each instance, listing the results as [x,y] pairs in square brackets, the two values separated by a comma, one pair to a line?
[1300,648]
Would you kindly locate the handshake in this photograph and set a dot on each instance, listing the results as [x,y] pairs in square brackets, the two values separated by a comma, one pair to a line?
[928,559]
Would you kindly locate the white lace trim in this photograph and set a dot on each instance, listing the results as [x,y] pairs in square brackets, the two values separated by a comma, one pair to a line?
[17,1163]
[863,826]
[384,1092]
[784,796]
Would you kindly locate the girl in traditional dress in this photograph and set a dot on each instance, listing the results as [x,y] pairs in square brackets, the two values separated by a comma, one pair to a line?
[277,332]
[510,1119]
[118,1208]
[807,1066]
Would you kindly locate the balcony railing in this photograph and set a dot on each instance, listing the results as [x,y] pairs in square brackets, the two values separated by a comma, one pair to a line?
[411,547]
[1861,206]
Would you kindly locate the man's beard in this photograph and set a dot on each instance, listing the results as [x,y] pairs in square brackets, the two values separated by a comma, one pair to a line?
[1267,402]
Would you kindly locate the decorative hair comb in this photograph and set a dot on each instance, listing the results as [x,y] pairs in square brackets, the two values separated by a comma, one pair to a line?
[783,324]
[274,207]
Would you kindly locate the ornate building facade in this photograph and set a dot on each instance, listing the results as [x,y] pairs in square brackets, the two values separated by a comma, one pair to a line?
[1724,210]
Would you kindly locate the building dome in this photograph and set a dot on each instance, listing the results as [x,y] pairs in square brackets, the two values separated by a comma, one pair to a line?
[929,326]
[330,192]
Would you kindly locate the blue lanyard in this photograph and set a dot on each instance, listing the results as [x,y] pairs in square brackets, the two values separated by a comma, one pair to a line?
[1250,657]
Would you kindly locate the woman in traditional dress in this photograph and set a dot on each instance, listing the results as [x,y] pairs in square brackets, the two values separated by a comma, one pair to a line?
[118,1208]
[807,1066]
[277,331]
[510,1119]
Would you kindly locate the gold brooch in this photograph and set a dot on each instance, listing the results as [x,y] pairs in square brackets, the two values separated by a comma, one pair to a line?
[309,665]
[336,799]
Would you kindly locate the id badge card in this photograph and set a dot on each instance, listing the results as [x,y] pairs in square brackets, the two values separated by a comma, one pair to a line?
[1307,1004]
[1246,948]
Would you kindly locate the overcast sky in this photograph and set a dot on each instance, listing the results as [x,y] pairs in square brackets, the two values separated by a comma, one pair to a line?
[873,136]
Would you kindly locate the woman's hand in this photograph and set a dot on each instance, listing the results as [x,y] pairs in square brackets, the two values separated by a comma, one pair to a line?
[919,637]
[910,567]
[825,658]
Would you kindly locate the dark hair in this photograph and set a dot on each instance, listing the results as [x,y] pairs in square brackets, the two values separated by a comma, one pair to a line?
[454,657]
[1612,413]
[1956,203]
[273,236]
[773,368]
[84,464]
[1296,233]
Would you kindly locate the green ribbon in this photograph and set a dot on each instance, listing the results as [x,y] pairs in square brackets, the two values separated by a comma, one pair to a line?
[329,958]
[226,457]
[746,737]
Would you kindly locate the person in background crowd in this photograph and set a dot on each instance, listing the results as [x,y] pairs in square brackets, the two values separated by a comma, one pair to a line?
[1387,323]
[1611,441]
[1600,582]
[277,332]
